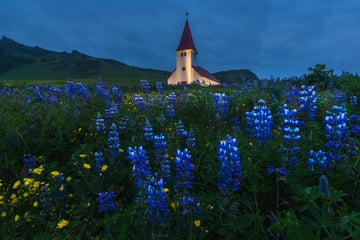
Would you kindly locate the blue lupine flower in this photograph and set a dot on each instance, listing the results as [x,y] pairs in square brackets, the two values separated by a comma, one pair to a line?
[230,166]
[37,94]
[340,97]
[160,146]
[291,134]
[123,123]
[139,102]
[148,130]
[117,95]
[29,161]
[189,203]
[259,123]
[190,141]
[145,86]
[319,159]
[99,162]
[180,130]
[113,141]
[172,99]
[221,105]
[99,124]
[184,169]
[165,168]
[159,88]
[84,93]
[156,200]
[106,202]
[354,120]
[170,112]
[324,186]
[292,95]
[103,93]
[308,101]
[140,162]
[353,101]
[111,110]
[281,170]
[337,132]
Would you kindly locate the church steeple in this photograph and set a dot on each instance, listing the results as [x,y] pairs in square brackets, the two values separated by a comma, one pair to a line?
[186,41]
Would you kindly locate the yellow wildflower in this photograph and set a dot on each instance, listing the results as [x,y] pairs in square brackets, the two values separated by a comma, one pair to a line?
[36,204]
[61,188]
[38,170]
[166,190]
[25,194]
[16,184]
[68,179]
[104,168]
[63,223]
[3,214]
[16,218]
[13,198]
[86,166]
[36,184]
[82,155]
[55,173]
[28,181]
[197,223]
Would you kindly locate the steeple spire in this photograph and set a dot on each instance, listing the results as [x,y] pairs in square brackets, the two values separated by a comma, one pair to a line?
[186,41]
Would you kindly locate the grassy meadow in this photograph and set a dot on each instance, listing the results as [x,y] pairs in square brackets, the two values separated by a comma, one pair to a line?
[90,159]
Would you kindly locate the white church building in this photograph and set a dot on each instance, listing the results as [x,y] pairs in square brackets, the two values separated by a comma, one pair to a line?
[187,71]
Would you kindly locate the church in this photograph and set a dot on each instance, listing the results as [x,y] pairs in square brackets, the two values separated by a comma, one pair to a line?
[187,71]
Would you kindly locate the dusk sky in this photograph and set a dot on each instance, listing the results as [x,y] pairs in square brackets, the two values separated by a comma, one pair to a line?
[270,37]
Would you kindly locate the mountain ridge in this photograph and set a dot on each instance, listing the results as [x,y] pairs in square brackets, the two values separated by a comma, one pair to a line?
[22,62]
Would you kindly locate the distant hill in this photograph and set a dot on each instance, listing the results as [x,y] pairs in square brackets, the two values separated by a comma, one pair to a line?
[21,62]
[234,76]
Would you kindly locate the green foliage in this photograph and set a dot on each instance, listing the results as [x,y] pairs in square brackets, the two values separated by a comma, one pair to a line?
[63,139]
[319,76]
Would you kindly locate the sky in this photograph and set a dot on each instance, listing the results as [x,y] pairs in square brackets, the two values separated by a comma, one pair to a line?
[279,38]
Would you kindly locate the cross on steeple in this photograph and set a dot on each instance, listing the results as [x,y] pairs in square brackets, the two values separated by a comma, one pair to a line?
[187,14]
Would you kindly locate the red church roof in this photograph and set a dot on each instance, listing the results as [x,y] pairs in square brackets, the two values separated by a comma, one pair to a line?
[186,41]
[204,73]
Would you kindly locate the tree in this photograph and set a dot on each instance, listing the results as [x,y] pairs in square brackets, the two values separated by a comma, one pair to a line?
[319,76]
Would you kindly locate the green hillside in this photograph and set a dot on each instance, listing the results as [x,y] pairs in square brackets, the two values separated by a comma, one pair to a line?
[34,64]
[20,62]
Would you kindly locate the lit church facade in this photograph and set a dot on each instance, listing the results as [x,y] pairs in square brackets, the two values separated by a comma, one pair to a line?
[187,70]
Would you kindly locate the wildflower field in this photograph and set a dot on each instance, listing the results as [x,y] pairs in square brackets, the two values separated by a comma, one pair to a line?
[254,160]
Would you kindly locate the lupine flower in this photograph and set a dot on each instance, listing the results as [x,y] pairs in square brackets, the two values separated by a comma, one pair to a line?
[148,130]
[37,94]
[319,159]
[113,109]
[291,134]
[170,112]
[84,93]
[140,162]
[340,97]
[99,124]
[113,141]
[230,166]
[159,88]
[291,95]
[184,169]
[353,101]
[117,95]
[103,93]
[99,162]
[337,132]
[190,141]
[308,100]
[139,102]
[354,120]
[160,146]
[221,105]
[145,86]
[259,123]
[172,99]
[123,123]
[180,130]
[156,200]
[29,162]
[106,202]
